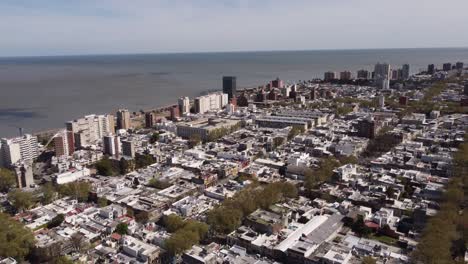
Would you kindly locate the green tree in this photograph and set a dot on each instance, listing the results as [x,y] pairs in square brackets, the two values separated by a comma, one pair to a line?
[295,131]
[159,184]
[224,220]
[154,138]
[173,222]
[124,166]
[104,167]
[368,260]
[48,193]
[77,190]
[7,180]
[360,228]
[102,202]
[21,200]
[143,160]
[194,140]
[121,228]
[56,221]
[62,260]
[16,241]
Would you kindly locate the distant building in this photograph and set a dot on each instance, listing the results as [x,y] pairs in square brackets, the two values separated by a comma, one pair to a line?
[174,112]
[465,91]
[261,96]
[328,76]
[24,174]
[111,145]
[363,74]
[447,66]
[149,119]
[459,65]
[382,71]
[367,128]
[184,105]
[229,86]
[209,102]
[23,148]
[203,127]
[242,101]
[381,101]
[123,119]
[383,84]
[313,94]
[272,95]
[405,72]
[395,74]
[403,100]
[64,144]
[90,130]
[128,148]
[277,83]
[431,69]
[345,75]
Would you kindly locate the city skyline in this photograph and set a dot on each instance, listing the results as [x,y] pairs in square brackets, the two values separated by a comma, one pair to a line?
[116,27]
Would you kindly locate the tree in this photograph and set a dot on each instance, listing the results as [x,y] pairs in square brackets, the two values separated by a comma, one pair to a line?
[16,241]
[102,202]
[154,138]
[159,184]
[122,228]
[48,193]
[143,160]
[62,260]
[173,222]
[77,190]
[7,180]
[77,242]
[360,228]
[368,260]
[295,131]
[56,221]
[390,192]
[194,140]
[124,166]
[142,217]
[104,167]
[21,200]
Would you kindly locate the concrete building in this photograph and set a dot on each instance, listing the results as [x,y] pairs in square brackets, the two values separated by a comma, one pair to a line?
[24,148]
[383,84]
[277,83]
[90,129]
[128,148]
[72,175]
[328,76]
[64,144]
[210,102]
[111,145]
[184,105]
[367,128]
[123,119]
[405,72]
[431,69]
[382,71]
[381,101]
[363,74]
[203,127]
[447,66]
[24,174]
[345,75]
[459,65]
[150,119]
[229,86]
[284,121]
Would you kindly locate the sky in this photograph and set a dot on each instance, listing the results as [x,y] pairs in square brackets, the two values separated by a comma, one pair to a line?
[68,27]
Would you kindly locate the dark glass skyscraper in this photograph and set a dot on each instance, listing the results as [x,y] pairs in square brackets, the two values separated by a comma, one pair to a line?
[229,86]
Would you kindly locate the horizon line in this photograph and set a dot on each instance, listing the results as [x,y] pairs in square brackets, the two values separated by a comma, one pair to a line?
[215,52]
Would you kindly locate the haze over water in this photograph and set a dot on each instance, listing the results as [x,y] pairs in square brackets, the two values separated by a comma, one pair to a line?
[43,92]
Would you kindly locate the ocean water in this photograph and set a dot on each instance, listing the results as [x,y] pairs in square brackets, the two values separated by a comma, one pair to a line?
[38,93]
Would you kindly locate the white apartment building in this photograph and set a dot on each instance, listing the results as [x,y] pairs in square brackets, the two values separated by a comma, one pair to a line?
[209,102]
[184,105]
[90,129]
[18,149]
[111,145]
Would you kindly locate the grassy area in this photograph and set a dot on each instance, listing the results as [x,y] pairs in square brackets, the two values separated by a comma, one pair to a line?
[385,239]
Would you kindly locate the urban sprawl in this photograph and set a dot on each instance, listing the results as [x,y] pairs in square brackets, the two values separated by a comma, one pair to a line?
[365,168]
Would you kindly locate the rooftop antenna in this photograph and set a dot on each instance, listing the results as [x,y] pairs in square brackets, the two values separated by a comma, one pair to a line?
[20,131]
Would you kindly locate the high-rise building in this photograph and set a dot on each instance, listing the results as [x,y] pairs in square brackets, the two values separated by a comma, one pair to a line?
[229,86]
[174,112]
[382,71]
[149,119]
[64,144]
[363,74]
[447,66]
[395,74]
[328,76]
[277,83]
[383,84]
[128,148]
[209,102]
[345,75]
[459,65]
[89,130]
[111,145]
[405,72]
[23,148]
[123,119]
[381,101]
[24,174]
[184,105]
[430,69]
[313,94]
[366,128]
